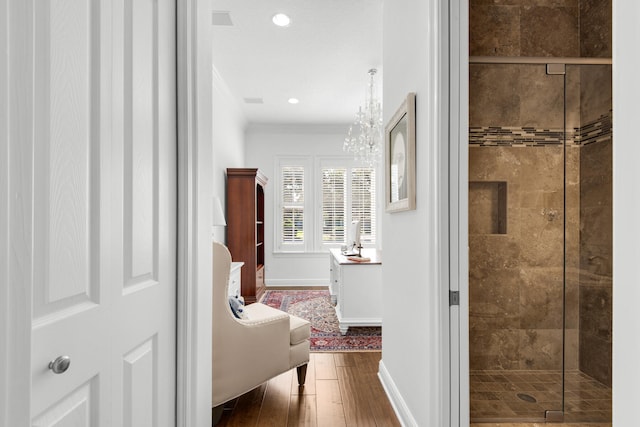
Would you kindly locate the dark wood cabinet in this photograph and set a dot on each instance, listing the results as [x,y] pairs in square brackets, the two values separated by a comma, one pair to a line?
[245,227]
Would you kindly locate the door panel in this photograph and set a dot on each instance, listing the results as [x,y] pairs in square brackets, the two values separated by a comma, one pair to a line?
[104,216]
[76,409]
[139,384]
[141,140]
[65,208]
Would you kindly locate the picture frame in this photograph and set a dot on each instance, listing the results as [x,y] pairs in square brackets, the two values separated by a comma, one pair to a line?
[400,158]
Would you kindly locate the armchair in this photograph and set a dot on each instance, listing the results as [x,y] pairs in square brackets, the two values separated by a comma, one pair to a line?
[248,352]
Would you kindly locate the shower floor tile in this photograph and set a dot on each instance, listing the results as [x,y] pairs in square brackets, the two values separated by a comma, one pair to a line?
[494,396]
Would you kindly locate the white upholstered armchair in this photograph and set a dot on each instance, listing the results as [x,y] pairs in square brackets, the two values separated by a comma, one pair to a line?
[248,352]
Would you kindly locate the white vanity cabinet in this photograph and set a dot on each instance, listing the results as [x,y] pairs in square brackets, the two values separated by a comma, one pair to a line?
[356,289]
[235,278]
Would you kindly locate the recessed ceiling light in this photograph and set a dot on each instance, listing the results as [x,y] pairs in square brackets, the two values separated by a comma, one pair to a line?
[281,20]
[293,100]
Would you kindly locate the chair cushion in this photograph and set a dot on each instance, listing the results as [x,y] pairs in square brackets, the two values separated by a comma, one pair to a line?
[299,329]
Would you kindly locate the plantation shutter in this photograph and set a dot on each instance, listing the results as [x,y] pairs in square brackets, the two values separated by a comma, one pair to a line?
[363,197]
[334,186]
[292,204]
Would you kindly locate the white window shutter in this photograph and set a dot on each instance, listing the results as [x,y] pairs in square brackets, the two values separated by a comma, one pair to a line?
[363,202]
[334,191]
[292,198]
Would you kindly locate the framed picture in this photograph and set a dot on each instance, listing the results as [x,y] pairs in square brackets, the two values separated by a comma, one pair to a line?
[400,157]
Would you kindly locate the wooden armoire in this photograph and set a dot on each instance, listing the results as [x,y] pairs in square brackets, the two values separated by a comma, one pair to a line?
[245,227]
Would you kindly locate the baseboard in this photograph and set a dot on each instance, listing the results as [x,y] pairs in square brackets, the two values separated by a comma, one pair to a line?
[297,288]
[397,402]
[295,283]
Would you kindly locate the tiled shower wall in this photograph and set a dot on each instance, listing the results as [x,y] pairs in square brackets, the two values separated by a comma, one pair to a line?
[516,137]
[540,28]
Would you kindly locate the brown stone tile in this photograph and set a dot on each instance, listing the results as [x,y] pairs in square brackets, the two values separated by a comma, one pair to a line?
[494,349]
[541,98]
[496,2]
[595,91]
[494,30]
[595,28]
[549,31]
[572,107]
[541,238]
[596,165]
[494,99]
[596,313]
[571,351]
[571,301]
[595,359]
[541,299]
[541,349]
[493,253]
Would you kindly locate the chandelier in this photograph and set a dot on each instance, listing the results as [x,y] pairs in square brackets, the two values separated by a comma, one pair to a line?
[364,139]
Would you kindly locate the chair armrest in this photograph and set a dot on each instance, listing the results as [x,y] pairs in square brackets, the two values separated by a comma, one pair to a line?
[259,313]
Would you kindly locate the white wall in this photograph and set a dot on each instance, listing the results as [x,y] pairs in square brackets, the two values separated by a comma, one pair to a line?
[229,125]
[414,367]
[264,145]
[626,211]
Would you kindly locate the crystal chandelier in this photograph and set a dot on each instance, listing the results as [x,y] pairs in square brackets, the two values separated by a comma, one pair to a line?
[365,141]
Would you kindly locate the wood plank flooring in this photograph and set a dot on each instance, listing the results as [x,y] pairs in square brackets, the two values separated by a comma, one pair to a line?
[342,389]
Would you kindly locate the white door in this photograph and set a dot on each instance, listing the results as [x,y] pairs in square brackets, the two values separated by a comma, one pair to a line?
[99,120]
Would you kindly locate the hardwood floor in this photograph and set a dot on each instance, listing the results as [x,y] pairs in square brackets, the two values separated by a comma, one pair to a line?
[342,389]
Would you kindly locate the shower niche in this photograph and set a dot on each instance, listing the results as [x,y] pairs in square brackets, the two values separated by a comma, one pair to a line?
[488,201]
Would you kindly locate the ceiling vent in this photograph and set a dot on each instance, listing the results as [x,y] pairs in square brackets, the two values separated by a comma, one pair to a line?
[253,101]
[221,18]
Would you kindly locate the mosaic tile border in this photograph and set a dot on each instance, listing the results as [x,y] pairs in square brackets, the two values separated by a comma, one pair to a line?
[597,130]
[594,131]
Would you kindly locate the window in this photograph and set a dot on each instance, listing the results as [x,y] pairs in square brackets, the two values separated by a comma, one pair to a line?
[347,193]
[334,189]
[317,198]
[363,202]
[292,211]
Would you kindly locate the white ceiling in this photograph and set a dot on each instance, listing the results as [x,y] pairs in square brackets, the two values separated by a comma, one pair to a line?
[322,58]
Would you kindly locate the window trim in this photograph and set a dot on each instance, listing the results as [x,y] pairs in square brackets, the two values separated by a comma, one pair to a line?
[278,245]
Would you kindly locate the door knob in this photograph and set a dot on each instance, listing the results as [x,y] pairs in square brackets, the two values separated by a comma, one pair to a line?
[60,364]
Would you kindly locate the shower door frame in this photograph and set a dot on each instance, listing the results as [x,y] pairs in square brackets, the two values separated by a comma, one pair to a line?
[459,61]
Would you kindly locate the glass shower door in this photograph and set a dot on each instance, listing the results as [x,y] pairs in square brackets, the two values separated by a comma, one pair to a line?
[588,334]
[516,242]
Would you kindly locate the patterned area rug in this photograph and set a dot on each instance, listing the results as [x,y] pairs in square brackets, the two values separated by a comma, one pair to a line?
[316,307]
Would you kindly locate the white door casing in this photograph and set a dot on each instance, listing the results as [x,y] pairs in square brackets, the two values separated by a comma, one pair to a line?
[91,148]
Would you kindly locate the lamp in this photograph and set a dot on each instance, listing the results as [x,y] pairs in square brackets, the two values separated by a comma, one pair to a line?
[218,215]
[366,141]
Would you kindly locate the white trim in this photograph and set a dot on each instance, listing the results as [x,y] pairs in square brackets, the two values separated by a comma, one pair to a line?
[194,91]
[458,205]
[16,145]
[397,402]
[441,142]
[298,128]
[298,254]
[5,342]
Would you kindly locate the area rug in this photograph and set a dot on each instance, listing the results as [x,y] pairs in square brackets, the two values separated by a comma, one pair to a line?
[315,306]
